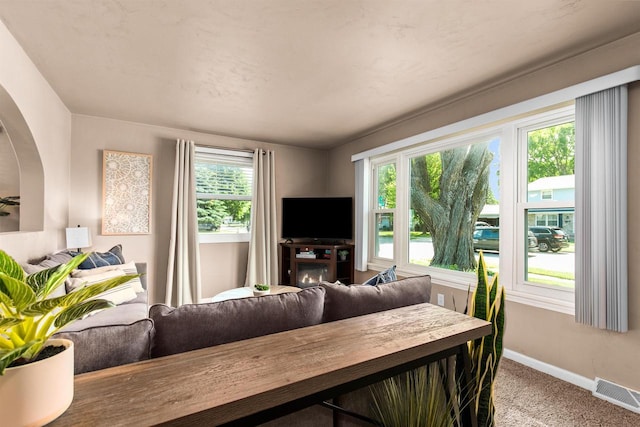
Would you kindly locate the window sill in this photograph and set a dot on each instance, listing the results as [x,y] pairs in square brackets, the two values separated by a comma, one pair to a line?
[223,238]
[467,281]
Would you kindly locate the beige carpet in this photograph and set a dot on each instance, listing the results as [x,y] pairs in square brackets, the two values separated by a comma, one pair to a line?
[526,397]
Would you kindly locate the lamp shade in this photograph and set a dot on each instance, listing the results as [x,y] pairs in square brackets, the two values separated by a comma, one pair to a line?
[78,237]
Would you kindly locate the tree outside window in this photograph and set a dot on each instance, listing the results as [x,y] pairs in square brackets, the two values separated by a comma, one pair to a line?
[223,196]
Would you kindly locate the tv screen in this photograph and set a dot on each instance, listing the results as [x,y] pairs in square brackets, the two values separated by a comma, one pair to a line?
[318,218]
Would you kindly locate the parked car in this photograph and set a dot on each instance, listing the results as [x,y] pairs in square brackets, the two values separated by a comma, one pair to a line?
[550,238]
[482,224]
[488,238]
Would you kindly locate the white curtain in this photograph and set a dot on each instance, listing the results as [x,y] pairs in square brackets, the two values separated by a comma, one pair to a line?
[183,272]
[262,266]
[362,216]
[601,209]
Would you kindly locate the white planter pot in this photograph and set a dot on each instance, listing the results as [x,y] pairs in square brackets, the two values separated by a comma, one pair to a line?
[37,393]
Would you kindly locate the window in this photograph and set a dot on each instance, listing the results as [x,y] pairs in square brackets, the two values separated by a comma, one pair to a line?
[384,209]
[224,181]
[506,190]
[547,152]
[524,130]
[448,190]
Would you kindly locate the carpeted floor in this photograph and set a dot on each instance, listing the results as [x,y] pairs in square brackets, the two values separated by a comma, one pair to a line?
[528,398]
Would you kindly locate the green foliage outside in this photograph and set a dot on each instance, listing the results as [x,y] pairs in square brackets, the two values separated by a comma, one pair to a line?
[387,186]
[551,151]
[222,180]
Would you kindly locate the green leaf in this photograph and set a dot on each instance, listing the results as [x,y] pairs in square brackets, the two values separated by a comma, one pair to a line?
[90,291]
[44,282]
[10,267]
[40,308]
[7,357]
[20,293]
[6,322]
[75,312]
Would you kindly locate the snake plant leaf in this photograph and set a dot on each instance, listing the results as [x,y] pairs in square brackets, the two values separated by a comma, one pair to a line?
[499,328]
[481,302]
[76,312]
[20,293]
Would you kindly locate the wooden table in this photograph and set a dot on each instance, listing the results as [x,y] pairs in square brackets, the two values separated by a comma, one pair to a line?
[241,380]
[246,292]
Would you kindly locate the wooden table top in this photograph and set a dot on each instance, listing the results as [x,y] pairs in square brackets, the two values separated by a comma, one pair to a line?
[226,382]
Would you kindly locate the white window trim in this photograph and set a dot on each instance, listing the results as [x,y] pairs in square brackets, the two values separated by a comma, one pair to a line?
[558,97]
[204,238]
[461,280]
[513,188]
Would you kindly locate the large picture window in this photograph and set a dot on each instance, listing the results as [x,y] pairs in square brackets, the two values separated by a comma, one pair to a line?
[507,190]
[557,222]
[224,181]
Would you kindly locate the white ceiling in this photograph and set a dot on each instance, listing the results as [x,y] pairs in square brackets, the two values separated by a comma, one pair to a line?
[303,72]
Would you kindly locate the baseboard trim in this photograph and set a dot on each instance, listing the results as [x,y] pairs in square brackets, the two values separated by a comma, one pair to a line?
[552,370]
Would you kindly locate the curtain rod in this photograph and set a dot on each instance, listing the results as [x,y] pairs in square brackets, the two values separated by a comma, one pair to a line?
[244,150]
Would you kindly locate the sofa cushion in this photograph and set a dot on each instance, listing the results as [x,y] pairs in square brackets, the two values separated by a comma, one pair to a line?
[99,259]
[121,314]
[342,301]
[102,347]
[194,326]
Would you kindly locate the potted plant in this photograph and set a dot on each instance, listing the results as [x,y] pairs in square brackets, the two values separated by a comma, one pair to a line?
[260,289]
[343,254]
[36,373]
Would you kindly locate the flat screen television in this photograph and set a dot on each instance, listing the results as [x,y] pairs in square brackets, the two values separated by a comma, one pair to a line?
[317,218]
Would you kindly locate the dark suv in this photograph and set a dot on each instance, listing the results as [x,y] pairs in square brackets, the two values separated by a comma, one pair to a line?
[488,238]
[550,238]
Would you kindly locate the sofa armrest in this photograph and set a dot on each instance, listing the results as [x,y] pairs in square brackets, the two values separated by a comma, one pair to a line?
[142,271]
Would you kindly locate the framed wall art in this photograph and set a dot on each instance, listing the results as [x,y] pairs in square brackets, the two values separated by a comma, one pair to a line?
[126,193]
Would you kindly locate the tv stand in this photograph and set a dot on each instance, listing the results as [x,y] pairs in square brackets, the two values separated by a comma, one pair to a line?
[306,264]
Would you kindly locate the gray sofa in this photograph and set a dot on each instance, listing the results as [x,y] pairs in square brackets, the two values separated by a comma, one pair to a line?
[112,337]
[169,330]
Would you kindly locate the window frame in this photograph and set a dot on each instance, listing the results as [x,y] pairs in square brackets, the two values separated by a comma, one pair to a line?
[243,158]
[375,209]
[512,189]
[563,296]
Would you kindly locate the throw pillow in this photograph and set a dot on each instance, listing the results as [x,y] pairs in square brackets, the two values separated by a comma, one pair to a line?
[49,261]
[194,326]
[342,301]
[117,295]
[100,259]
[386,276]
[128,268]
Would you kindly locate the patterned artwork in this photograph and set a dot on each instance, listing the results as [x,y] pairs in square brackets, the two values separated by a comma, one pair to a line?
[126,188]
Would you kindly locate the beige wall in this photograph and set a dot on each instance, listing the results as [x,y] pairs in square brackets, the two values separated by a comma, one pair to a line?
[544,335]
[298,172]
[50,124]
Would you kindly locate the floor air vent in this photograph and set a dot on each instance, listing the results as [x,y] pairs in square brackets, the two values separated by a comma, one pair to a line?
[617,394]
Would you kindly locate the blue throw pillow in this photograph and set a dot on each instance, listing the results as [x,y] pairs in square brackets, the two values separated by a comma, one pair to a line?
[100,259]
[388,275]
